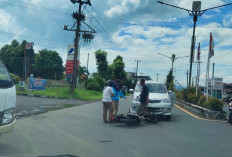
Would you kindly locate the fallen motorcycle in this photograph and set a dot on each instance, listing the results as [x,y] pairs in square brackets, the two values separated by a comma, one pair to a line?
[135,119]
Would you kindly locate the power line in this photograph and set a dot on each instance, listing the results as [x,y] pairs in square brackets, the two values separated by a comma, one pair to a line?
[37,8]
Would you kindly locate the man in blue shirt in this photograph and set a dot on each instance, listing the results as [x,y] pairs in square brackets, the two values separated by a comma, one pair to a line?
[115,99]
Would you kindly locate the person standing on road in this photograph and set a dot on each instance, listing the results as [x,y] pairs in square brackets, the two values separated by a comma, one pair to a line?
[107,101]
[144,99]
[115,99]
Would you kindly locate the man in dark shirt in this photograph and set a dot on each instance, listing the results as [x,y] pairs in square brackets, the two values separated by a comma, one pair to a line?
[144,98]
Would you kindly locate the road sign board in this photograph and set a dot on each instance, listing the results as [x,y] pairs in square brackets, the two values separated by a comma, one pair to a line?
[218,84]
[71,51]
[21,84]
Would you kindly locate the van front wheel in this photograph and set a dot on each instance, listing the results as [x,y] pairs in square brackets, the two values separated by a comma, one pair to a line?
[168,118]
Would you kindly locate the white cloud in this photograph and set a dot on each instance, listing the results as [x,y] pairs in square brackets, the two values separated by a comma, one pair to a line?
[122,7]
[9,23]
[227,21]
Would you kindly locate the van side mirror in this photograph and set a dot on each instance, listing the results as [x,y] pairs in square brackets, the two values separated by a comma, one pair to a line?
[131,91]
[170,91]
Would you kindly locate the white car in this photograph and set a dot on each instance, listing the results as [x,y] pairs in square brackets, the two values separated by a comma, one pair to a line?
[159,99]
[8,100]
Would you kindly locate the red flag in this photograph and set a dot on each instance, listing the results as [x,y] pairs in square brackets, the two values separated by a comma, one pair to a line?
[211,46]
[199,52]
[29,45]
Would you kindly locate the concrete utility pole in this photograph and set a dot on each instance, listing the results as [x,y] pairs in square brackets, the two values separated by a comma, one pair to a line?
[87,70]
[187,78]
[212,82]
[137,67]
[87,35]
[195,12]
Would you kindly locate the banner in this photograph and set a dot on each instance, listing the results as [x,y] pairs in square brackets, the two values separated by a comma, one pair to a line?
[211,46]
[37,84]
[70,66]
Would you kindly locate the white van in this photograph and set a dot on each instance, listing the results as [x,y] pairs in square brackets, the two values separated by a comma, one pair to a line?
[159,99]
[7,100]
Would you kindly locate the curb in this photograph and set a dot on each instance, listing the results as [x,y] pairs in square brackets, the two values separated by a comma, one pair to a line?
[204,112]
[43,96]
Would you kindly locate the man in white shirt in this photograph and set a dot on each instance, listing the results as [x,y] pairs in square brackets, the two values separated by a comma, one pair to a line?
[107,101]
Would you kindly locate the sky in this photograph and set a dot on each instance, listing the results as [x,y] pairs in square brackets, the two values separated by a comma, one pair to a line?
[134,29]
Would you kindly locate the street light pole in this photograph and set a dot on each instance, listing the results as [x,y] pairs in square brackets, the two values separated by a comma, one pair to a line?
[173,59]
[195,12]
[157,75]
[137,67]
[192,48]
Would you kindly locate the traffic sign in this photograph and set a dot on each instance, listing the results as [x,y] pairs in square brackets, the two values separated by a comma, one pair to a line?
[21,84]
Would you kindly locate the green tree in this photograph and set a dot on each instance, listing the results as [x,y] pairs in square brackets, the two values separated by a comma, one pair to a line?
[169,79]
[48,65]
[102,64]
[171,87]
[110,72]
[118,68]
[13,56]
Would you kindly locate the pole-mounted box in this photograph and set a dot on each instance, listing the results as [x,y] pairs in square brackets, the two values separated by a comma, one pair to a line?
[196,6]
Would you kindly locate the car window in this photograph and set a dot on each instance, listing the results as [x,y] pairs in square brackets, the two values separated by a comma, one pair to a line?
[156,88]
[4,75]
[5,79]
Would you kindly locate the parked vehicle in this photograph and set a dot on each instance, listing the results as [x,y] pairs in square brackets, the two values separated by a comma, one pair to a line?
[230,113]
[160,100]
[8,100]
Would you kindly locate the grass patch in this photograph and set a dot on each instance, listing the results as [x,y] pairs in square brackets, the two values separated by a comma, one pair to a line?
[64,93]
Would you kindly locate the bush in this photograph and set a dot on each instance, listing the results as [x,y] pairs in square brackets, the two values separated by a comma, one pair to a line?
[189,95]
[213,104]
[201,101]
[192,98]
[15,77]
[93,85]
[179,95]
[100,81]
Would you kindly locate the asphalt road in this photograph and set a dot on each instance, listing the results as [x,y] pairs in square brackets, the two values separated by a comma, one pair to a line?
[80,131]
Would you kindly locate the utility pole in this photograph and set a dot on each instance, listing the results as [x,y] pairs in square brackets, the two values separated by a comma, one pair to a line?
[77,38]
[27,46]
[87,35]
[187,78]
[88,63]
[195,12]
[87,71]
[173,59]
[212,82]
[157,75]
[25,64]
[137,67]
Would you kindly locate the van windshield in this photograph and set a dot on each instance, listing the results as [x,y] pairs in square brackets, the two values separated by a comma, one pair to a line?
[153,88]
[5,79]
[156,88]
